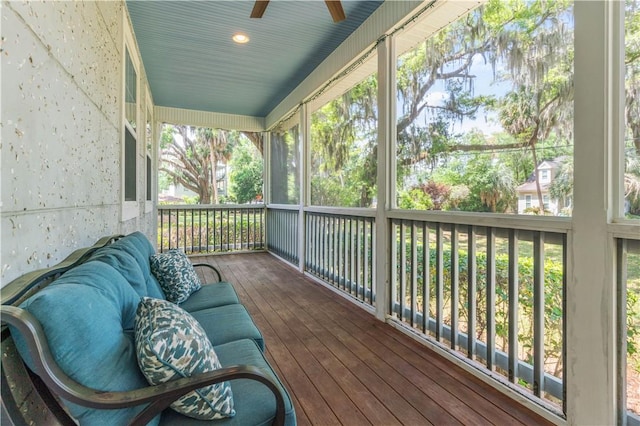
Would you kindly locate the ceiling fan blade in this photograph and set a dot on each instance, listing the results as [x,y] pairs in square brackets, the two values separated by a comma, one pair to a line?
[336,10]
[258,8]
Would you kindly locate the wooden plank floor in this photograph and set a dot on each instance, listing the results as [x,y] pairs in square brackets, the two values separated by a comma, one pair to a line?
[342,366]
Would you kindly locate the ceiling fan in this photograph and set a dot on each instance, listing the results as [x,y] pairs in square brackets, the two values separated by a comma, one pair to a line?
[334,6]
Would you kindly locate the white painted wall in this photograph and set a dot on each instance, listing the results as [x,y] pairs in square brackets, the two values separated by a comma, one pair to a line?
[61,116]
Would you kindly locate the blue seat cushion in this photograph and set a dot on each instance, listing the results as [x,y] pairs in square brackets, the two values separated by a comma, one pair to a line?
[228,323]
[254,403]
[211,296]
[88,317]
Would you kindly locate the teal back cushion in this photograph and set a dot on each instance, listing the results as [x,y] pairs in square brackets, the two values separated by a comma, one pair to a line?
[138,246]
[125,264]
[88,316]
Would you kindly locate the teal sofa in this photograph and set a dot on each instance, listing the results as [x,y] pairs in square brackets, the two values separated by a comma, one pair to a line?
[77,334]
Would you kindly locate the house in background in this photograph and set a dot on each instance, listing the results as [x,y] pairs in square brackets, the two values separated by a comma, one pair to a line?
[528,201]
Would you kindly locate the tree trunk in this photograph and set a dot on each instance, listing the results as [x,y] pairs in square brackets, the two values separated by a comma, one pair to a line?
[214,175]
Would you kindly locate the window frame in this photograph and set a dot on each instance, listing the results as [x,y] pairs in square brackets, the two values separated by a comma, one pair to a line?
[150,149]
[129,208]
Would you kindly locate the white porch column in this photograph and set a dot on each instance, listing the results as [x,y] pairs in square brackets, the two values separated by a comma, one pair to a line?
[304,159]
[386,177]
[590,371]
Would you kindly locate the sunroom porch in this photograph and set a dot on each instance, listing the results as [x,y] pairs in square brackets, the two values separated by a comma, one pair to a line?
[75,167]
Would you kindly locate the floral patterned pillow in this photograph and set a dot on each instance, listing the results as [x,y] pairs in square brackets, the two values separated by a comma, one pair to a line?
[176,275]
[171,344]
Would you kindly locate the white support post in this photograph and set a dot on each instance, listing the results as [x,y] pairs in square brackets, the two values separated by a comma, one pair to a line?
[590,371]
[304,154]
[386,177]
[266,182]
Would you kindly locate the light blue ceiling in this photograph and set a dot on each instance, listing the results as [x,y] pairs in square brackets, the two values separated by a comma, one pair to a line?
[192,63]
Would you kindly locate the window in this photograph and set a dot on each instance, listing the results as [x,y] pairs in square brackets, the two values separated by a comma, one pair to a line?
[285,161]
[545,201]
[629,277]
[344,134]
[629,249]
[130,138]
[544,176]
[632,110]
[130,166]
[149,150]
[527,201]
[480,104]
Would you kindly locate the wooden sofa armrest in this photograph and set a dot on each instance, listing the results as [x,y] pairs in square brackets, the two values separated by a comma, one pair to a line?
[159,397]
[196,265]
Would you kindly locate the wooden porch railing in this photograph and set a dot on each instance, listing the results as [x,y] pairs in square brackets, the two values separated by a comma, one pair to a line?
[282,231]
[493,294]
[211,228]
[490,290]
[340,250]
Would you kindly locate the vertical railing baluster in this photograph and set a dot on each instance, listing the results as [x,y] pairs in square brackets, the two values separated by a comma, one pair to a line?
[214,229]
[538,313]
[439,281]
[471,292]
[374,259]
[342,277]
[316,243]
[228,229]
[359,237]
[235,228]
[193,235]
[184,229]
[414,271]
[335,251]
[621,289]
[169,229]
[350,270]
[513,305]
[564,324]
[308,258]
[242,233]
[365,268]
[352,262]
[426,278]
[394,266]
[455,290]
[206,235]
[491,298]
[325,247]
[161,212]
[403,268]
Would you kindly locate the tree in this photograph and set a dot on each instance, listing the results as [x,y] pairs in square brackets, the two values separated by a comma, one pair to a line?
[246,172]
[529,45]
[343,147]
[190,155]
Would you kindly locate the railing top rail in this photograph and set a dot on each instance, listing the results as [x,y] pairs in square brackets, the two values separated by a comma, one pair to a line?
[626,230]
[523,222]
[343,211]
[210,206]
[295,207]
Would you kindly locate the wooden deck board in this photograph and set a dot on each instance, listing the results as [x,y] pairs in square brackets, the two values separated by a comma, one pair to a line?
[342,366]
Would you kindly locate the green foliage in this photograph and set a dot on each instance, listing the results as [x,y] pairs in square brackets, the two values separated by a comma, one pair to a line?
[246,172]
[553,281]
[415,199]
[343,148]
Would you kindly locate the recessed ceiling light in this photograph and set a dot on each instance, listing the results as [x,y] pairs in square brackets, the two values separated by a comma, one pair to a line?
[240,38]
